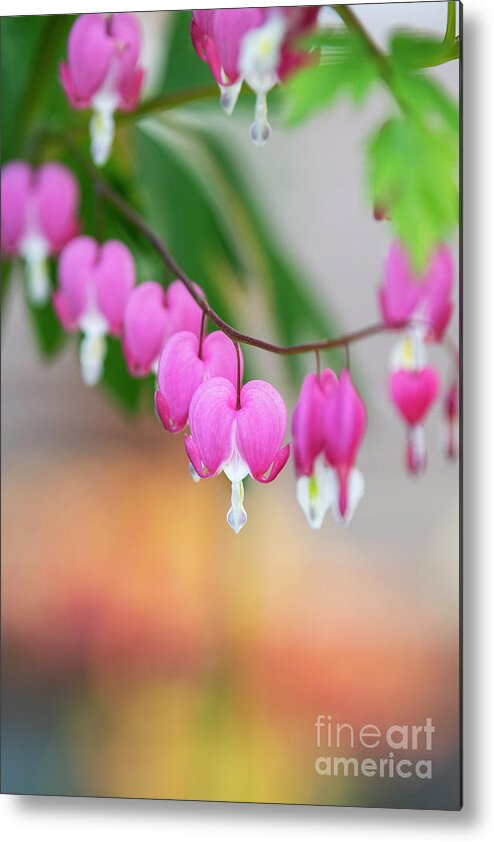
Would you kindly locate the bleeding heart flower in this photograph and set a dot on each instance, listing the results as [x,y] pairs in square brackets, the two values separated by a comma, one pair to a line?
[413,391]
[94,283]
[423,301]
[238,434]
[346,421]
[255,44]
[39,216]
[314,483]
[152,315]
[102,73]
[183,366]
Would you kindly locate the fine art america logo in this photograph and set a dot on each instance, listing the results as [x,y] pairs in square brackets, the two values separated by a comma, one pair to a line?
[398,751]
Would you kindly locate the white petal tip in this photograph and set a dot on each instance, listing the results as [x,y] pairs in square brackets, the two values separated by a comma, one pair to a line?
[229,95]
[315,495]
[193,473]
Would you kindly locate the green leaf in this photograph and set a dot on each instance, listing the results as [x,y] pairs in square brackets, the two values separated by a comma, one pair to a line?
[117,381]
[182,68]
[31,48]
[298,313]
[49,336]
[343,65]
[179,208]
[414,174]
[428,100]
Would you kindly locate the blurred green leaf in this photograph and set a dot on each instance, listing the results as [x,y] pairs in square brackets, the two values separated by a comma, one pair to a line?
[47,331]
[428,100]
[297,312]
[232,240]
[126,390]
[179,208]
[182,67]
[6,270]
[31,48]
[414,174]
[342,65]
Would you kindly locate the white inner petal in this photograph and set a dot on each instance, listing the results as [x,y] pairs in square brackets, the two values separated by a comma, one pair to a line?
[236,470]
[236,515]
[35,250]
[93,347]
[258,64]
[260,53]
[102,124]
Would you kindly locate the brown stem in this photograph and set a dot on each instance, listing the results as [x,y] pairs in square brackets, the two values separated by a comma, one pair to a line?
[201,335]
[318,362]
[347,356]
[235,335]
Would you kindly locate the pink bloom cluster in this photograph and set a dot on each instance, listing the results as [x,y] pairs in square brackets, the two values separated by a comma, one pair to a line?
[233,428]
[328,426]
[423,307]
[38,216]
[102,72]
[257,45]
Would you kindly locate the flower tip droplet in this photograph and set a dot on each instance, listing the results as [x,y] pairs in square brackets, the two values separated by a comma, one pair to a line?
[237,516]
[260,132]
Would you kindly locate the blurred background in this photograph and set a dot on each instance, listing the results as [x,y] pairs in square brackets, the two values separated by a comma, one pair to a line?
[147,650]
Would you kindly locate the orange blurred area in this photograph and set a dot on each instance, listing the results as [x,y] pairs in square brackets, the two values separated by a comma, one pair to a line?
[187,662]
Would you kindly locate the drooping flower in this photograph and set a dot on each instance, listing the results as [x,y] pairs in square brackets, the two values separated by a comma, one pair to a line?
[239,434]
[39,216]
[309,423]
[255,45]
[422,301]
[184,365]
[413,387]
[451,418]
[94,283]
[102,72]
[152,315]
[346,421]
